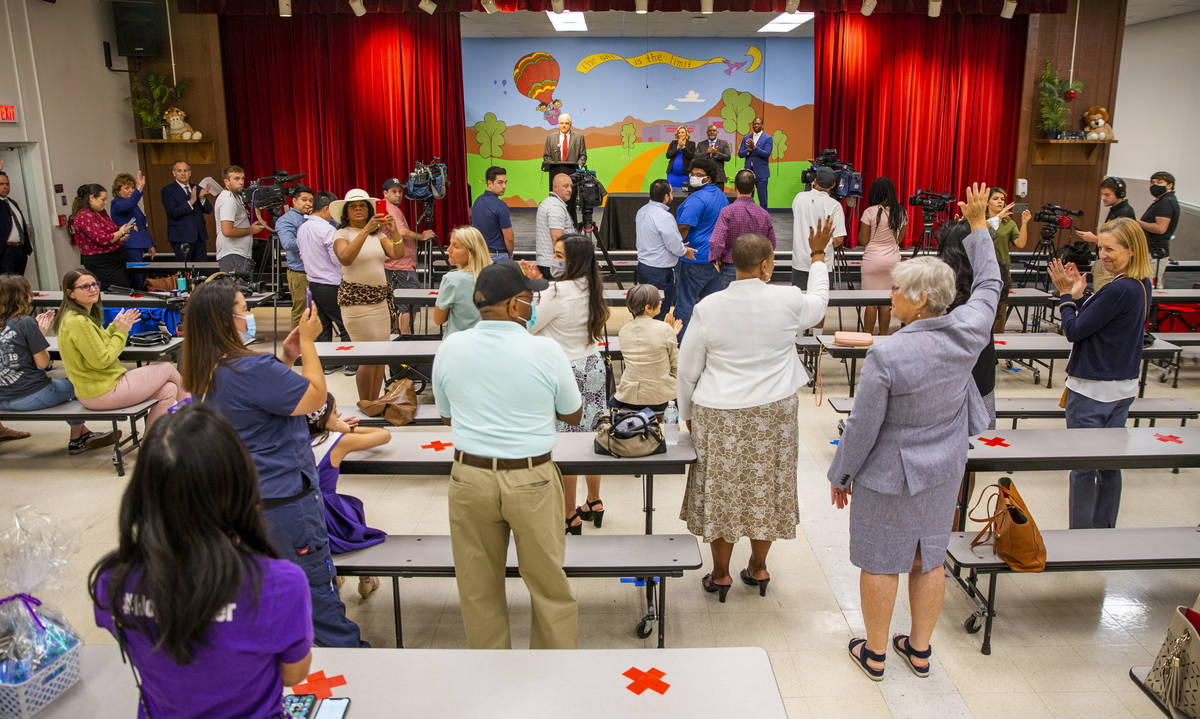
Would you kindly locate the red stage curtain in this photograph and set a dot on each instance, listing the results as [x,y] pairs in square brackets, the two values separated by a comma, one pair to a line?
[918,7]
[930,103]
[351,101]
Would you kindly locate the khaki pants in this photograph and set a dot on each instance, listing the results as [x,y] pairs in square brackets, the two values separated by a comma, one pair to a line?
[1100,276]
[297,286]
[484,505]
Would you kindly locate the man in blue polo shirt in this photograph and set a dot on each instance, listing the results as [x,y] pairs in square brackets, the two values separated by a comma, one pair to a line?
[489,215]
[697,217]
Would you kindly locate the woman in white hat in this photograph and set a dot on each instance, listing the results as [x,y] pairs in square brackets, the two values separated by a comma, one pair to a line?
[365,297]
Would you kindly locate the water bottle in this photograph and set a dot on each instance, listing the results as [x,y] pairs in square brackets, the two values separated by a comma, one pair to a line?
[671,423]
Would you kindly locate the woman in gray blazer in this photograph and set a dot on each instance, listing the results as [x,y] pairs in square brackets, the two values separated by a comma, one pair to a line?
[905,445]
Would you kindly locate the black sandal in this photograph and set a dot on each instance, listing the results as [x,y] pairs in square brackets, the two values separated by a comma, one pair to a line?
[710,586]
[909,654]
[576,529]
[748,578]
[592,515]
[861,659]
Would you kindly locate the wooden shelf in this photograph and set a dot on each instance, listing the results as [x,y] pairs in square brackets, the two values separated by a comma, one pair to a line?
[1068,152]
[168,152]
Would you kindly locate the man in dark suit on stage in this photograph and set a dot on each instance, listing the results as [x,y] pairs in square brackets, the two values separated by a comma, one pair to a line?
[565,151]
[186,205]
[756,148]
[14,232]
[718,151]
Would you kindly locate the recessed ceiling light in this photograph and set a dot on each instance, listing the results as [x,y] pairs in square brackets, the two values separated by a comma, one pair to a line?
[567,21]
[935,8]
[1009,9]
[787,22]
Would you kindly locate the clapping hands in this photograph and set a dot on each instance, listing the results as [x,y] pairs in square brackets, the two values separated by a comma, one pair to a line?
[1067,278]
[44,320]
[126,319]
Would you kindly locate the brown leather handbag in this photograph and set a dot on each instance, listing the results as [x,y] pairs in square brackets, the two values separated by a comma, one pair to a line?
[397,404]
[167,283]
[1010,528]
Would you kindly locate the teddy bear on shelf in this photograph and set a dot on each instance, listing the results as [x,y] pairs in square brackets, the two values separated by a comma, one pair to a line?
[1095,123]
[177,126]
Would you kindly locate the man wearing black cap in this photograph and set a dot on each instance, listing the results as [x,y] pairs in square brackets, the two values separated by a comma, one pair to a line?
[502,427]
[402,273]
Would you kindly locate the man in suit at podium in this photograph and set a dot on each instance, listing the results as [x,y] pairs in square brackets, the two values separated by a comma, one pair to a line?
[14,232]
[565,151]
[716,150]
[756,148]
[186,205]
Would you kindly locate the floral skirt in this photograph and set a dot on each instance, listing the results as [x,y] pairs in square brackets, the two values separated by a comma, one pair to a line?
[743,483]
[589,377]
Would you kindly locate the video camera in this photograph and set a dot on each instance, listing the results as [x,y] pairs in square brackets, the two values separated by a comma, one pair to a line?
[268,193]
[849,182]
[932,202]
[1056,215]
[589,193]
[427,182]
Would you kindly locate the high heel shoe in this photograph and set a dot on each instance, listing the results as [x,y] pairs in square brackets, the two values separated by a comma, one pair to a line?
[710,586]
[748,578]
[592,515]
[576,529]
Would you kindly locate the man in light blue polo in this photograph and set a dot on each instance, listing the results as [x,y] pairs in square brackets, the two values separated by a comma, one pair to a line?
[502,427]
[659,244]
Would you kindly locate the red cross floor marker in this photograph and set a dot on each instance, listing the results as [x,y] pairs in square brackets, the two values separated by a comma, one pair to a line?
[1000,342]
[433,292]
[343,348]
[1168,438]
[320,685]
[437,445]
[994,441]
[643,680]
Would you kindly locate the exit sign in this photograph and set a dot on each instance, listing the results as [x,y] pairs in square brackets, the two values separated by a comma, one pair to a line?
[8,113]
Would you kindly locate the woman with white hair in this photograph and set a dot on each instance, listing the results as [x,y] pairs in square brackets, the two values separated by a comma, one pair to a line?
[905,444]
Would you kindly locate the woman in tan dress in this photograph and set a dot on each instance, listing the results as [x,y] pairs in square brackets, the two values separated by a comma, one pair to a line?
[364,296]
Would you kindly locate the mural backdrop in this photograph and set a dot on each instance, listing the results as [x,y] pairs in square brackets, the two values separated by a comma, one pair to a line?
[628,95]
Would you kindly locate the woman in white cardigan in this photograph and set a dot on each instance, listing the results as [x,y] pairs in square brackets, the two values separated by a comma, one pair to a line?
[739,375]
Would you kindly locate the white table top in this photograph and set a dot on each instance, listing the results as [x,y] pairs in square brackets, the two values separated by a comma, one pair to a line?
[452,683]
[1040,345]
[858,298]
[53,298]
[130,353]
[1117,448]
[378,352]
[1181,296]
[425,297]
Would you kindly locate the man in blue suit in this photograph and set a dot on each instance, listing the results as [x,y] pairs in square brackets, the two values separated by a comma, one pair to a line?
[186,206]
[756,148]
[15,245]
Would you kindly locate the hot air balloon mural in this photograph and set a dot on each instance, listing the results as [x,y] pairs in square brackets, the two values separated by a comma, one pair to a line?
[536,76]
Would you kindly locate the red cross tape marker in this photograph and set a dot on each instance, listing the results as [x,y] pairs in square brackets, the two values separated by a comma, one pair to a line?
[1168,438]
[437,445]
[994,442]
[320,685]
[643,680]
[1000,342]
[342,348]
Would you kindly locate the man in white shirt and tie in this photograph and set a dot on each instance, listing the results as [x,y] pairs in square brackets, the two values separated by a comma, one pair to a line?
[14,228]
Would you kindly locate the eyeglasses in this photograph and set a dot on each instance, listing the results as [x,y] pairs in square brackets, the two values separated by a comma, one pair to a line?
[88,286]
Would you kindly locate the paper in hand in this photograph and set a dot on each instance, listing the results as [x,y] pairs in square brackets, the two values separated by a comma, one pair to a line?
[211,186]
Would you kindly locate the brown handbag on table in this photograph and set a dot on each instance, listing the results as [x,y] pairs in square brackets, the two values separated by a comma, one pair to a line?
[1010,528]
[1175,675]
[397,404]
[167,283]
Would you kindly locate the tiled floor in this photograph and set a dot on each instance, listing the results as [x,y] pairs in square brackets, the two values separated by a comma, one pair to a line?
[1062,646]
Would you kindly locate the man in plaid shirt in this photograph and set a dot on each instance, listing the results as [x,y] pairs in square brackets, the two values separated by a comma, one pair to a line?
[742,216]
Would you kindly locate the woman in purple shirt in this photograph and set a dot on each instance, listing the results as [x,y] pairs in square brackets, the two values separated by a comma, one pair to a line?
[212,620]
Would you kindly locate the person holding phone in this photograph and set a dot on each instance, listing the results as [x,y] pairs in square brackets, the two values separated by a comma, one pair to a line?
[1005,234]
[100,241]
[91,353]
[214,622]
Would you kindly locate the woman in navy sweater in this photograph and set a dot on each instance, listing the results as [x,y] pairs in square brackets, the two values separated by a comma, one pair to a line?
[126,194]
[1102,375]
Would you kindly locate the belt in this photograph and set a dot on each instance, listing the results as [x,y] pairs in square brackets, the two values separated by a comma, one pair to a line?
[473,460]
[276,502]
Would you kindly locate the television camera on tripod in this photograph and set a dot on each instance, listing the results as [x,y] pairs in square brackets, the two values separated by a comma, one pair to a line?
[932,204]
[268,194]
[426,185]
[589,194]
[1055,219]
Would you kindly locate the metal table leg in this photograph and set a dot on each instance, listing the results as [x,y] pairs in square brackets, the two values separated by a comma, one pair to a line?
[396,612]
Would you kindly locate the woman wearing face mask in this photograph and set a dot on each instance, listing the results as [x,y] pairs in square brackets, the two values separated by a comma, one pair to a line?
[679,157]
[455,309]
[266,402]
[91,353]
[572,312]
[365,296]
[1005,234]
[101,243]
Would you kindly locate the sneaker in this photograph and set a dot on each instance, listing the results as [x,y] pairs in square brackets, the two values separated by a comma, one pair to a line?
[332,368]
[350,370]
[92,440]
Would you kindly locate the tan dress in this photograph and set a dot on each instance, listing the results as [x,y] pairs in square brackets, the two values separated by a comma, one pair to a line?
[365,322]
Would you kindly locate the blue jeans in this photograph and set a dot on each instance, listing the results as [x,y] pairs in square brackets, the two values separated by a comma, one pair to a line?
[500,256]
[58,391]
[697,280]
[664,279]
[1095,493]
[728,274]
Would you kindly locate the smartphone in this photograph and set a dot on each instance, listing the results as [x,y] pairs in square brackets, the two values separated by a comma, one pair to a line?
[333,708]
[1020,207]
[299,706]
[381,207]
[308,298]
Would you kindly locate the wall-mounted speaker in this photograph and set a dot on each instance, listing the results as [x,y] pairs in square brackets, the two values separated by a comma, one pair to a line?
[138,26]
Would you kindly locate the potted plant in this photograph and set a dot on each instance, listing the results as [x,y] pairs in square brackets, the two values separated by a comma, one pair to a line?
[150,98]
[1054,93]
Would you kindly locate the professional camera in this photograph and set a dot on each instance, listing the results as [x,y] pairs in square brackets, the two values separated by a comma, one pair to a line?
[934,202]
[268,193]
[1055,215]
[589,193]
[427,181]
[849,183]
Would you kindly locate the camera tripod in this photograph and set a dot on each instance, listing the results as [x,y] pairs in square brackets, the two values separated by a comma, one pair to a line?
[1040,259]
[425,249]
[926,244]
[588,228]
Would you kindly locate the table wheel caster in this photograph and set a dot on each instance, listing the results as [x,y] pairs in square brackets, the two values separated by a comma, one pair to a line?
[973,623]
[645,627]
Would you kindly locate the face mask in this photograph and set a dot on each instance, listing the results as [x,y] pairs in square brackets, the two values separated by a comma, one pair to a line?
[1158,190]
[558,268]
[994,222]
[250,332]
[696,181]
[529,323]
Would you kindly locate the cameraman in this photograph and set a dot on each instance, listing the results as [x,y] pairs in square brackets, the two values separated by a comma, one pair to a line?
[1112,196]
[235,232]
[1159,221]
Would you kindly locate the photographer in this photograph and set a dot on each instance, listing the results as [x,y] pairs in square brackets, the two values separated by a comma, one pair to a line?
[401,271]
[1160,219]
[1005,234]
[1112,196]
[235,232]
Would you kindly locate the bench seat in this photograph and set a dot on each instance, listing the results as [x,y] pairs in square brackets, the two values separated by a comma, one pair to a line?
[75,410]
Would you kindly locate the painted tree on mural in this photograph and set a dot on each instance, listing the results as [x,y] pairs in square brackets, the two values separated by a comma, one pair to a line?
[779,146]
[489,133]
[736,111]
[628,137]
